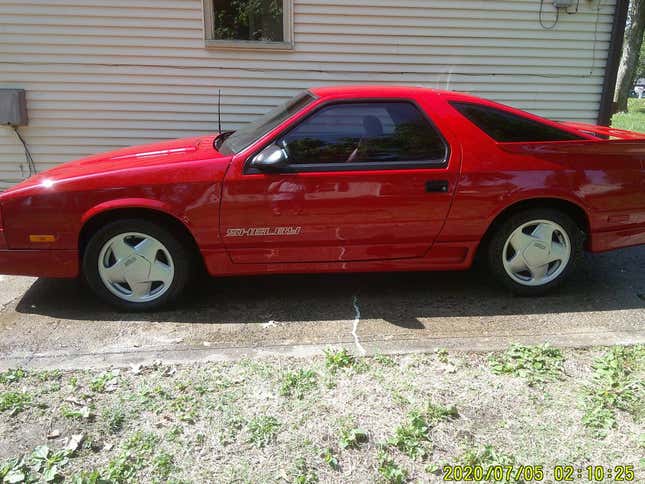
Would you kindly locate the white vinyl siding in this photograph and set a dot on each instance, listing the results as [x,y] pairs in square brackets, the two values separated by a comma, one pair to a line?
[110,73]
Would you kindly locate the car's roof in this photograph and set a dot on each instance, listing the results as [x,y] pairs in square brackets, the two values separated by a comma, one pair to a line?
[385,91]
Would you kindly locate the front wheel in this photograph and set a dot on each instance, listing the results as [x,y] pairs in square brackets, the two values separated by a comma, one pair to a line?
[136,265]
[535,250]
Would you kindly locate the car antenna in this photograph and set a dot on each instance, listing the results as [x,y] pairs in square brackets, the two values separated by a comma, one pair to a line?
[219,110]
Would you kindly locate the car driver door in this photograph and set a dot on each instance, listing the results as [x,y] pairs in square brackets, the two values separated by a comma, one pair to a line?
[353,181]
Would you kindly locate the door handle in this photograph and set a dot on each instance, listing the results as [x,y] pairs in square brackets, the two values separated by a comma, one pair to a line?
[440,186]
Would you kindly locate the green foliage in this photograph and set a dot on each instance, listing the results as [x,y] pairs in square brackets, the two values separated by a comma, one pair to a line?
[633,119]
[330,458]
[385,360]
[14,402]
[336,360]
[615,385]
[486,456]
[103,382]
[163,464]
[537,364]
[263,430]
[303,474]
[298,383]
[412,437]
[42,465]
[390,470]
[436,413]
[75,414]
[114,418]
[12,376]
[351,437]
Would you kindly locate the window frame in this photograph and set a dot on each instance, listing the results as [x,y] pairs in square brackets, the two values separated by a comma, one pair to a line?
[213,43]
[359,166]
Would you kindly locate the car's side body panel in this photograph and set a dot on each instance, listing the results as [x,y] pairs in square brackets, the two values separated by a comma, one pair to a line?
[368,220]
[337,216]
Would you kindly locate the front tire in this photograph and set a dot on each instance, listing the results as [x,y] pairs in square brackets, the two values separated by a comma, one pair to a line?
[136,265]
[535,250]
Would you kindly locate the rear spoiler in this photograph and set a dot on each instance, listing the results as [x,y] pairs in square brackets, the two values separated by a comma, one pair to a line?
[605,132]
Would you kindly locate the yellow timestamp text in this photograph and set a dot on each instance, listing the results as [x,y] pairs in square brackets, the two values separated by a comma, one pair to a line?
[537,473]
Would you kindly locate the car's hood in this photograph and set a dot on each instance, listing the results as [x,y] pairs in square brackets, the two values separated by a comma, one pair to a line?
[162,153]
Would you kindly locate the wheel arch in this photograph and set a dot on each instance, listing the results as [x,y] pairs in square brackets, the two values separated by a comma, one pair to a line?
[574,210]
[98,217]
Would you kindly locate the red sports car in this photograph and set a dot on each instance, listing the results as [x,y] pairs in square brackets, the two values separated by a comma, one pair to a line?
[371,178]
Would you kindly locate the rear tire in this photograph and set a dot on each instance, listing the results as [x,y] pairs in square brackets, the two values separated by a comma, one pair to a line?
[136,265]
[535,250]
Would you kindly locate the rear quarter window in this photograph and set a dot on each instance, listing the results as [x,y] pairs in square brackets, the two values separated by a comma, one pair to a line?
[505,127]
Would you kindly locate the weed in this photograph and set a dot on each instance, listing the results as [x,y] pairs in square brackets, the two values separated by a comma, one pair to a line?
[263,430]
[12,376]
[233,422]
[103,382]
[174,432]
[73,414]
[351,437]
[384,360]
[186,408]
[412,437]
[436,413]
[49,375]
[298,383]
[330,458]
[121,469]
[114,418]
[303,474]
[537,364]
[486,456]
[442,355]
[163,465]
[15,470]
[336,360]
[14,402]
[390,470]
[89,477]
[614,386]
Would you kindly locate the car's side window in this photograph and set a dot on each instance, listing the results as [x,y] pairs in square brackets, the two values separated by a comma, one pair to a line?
[506,127]
[362,133]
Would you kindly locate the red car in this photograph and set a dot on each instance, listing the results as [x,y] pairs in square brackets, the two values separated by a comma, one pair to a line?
[369,178]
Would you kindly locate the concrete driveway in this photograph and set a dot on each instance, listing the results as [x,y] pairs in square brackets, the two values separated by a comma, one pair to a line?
[58,323]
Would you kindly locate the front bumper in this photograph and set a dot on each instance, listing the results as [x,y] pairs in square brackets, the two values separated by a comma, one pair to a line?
[39,263]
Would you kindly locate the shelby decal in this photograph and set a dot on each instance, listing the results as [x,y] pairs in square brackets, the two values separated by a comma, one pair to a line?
[262,231]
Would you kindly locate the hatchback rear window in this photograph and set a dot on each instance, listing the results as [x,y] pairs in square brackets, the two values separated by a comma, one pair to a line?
[506,127]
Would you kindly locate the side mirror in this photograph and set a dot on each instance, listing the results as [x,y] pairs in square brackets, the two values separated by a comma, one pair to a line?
[271,158]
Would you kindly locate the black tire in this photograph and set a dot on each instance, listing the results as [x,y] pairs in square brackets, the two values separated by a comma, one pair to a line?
[497,242]
[182,257]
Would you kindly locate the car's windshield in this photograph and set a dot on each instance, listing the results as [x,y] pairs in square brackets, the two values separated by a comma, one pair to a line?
[245,136]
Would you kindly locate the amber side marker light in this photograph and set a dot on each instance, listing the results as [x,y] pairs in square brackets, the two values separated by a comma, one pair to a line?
[42,238]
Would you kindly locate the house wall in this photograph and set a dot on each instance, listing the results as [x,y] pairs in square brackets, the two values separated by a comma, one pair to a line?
[104,74]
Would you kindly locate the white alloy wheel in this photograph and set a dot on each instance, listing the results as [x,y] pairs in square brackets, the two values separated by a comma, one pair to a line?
[536,252]
[136,267]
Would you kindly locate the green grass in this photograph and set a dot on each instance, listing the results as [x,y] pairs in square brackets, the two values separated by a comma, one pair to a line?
[616,385]
[634,119]
[536,364]
[263,430]
[395,420]
[298,383]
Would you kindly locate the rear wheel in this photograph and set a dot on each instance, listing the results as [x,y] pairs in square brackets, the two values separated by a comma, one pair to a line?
[136,265]
[535,250]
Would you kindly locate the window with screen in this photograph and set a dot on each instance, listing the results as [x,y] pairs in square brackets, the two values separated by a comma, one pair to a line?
[506,127]
[365,132]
